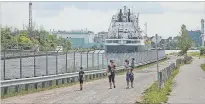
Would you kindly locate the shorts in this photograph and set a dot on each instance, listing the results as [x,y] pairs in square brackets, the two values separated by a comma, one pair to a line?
[81,80]
[129,77]
[111,78]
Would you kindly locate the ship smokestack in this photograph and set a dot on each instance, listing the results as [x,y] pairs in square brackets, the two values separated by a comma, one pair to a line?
[125,10]
[202,32]
[128,15]
[120,16]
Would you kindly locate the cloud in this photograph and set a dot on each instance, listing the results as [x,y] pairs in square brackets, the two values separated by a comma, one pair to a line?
[169,24]
[185,7]
[14,13]
[164,18]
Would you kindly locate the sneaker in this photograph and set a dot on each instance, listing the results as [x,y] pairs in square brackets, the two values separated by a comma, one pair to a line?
[127,87]
[114,86]
[132,87]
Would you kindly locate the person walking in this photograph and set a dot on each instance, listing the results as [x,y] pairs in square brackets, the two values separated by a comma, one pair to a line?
[111,74]
[127,73]
[131,77]
[130,74]
[81,77]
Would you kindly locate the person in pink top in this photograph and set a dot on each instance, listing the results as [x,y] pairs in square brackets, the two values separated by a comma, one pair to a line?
[111,73]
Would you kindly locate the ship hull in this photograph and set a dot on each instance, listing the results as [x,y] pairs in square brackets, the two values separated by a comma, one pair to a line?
[124,48]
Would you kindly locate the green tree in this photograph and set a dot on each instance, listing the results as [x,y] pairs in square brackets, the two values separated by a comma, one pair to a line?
[25,42]
[14,39]
[184,41]
[6,37]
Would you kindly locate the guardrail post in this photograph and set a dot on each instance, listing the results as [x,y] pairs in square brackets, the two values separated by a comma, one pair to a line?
[93,59]
[46,62]
[20,63]
[4,64]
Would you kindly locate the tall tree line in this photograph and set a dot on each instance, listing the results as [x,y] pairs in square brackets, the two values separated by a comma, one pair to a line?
[14,39]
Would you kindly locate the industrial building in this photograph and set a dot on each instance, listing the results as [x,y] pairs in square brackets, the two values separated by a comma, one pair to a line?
[78,38]
[197,36]
[100,37]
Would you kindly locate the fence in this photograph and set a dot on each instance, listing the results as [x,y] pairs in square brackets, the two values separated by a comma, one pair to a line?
[165,73]
[51,63]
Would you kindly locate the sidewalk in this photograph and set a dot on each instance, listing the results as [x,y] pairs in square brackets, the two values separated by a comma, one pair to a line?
[189,84]
[96,91]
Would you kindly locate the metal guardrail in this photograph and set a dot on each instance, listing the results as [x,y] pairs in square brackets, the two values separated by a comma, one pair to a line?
[7,83]
[166,73]
[23,81]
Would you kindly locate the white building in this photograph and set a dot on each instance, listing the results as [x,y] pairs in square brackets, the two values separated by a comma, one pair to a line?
[87,36]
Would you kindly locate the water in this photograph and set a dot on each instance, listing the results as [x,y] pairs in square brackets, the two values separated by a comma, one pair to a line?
[173,51]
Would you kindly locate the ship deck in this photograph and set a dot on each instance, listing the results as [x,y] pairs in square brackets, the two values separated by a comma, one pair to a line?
[123,48]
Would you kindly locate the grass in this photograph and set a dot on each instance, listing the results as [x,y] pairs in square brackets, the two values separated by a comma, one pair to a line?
[195,54]
[155,95]
[23,92]
[203,67]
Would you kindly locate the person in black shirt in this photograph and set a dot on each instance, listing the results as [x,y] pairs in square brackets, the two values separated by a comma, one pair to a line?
[111,73]
[81,77]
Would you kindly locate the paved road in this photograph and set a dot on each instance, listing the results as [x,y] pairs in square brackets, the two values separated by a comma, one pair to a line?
[189,84]
[96,91]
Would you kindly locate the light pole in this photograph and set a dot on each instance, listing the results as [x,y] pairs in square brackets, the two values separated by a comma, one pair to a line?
[157,60]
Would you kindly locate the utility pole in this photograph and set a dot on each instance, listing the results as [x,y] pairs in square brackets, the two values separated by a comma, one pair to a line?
[30,20]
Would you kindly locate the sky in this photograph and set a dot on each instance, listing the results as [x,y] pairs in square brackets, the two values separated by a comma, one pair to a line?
[163,18]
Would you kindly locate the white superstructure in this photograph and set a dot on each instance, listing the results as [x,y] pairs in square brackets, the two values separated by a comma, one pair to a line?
[124,32]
